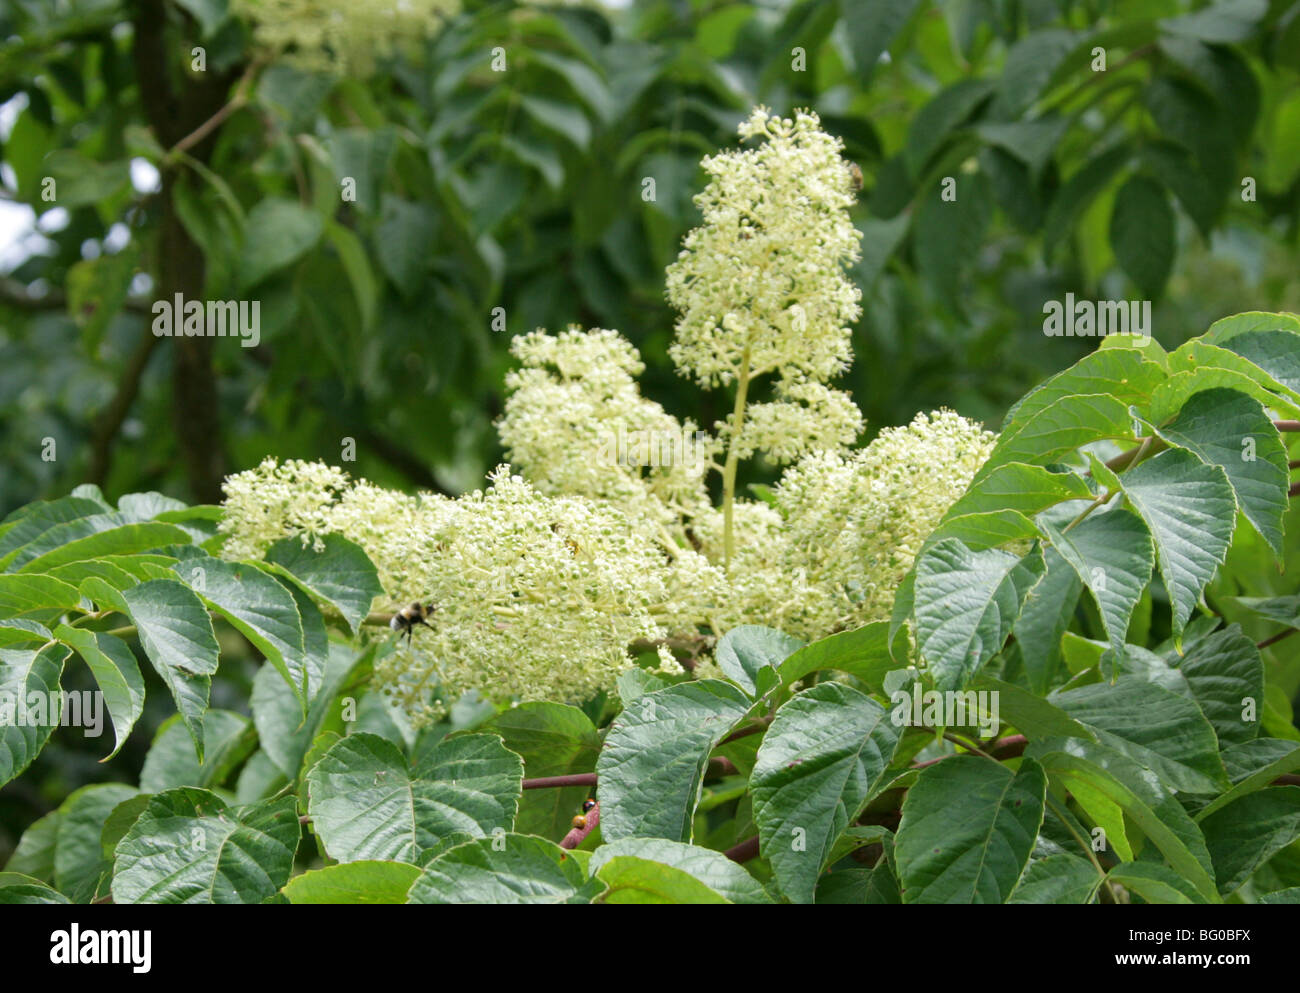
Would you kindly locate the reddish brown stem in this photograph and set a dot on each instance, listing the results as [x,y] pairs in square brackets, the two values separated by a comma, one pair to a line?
[745,732]
[575,837]
[743,852]
[547,782]
[1276,638]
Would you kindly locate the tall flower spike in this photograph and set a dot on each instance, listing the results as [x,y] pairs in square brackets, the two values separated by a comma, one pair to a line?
[761,287]
[762,280]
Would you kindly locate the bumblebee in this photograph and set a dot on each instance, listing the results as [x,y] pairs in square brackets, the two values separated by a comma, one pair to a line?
[580,821]
[574,547]
[407,618]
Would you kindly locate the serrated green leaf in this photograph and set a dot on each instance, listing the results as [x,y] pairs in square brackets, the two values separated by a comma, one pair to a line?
[1230,429]
[1250,830]
[1044,435]
[1154,883]
[1044,618]
[340,573]
[78,855]
[31,706]
[725,877]
[746,649]
[1190,510]
[1159,729]
[1060,878]
[117,674]
[1123,372]
[368,882]
[965,605]
[172,761]
[366,802]
[261,609]
[652,766]
[176,634]
[633,880]
[967,830]
[506,868]
[1113,555]
[1226,675]
[127,539]
[862,653]
[26,594]
[819,762]
[1024,488]
[190,847]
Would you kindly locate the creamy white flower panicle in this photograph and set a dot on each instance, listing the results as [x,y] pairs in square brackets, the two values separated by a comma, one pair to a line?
[812,417]
[535,597]
[762,279]
[538,598]
[855,523]
[542,581]
[277,500]
[575,422]
[341,35]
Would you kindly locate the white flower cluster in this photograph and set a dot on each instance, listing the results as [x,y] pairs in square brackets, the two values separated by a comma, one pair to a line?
[854,523]
[576,422]
[344,36]
[541,586]
[812,418]
[535,597]
[762,280]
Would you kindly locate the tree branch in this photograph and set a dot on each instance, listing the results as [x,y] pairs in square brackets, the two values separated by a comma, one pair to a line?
[110,420]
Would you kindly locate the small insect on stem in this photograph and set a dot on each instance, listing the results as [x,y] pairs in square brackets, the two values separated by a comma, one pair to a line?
[407,618]
[580,821]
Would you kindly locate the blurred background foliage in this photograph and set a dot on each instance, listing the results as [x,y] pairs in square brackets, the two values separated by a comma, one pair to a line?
[524,190]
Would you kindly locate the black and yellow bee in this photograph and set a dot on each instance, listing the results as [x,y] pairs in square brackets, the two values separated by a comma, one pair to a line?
[580,821]
[855,176]
[407,618]
[574,547]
